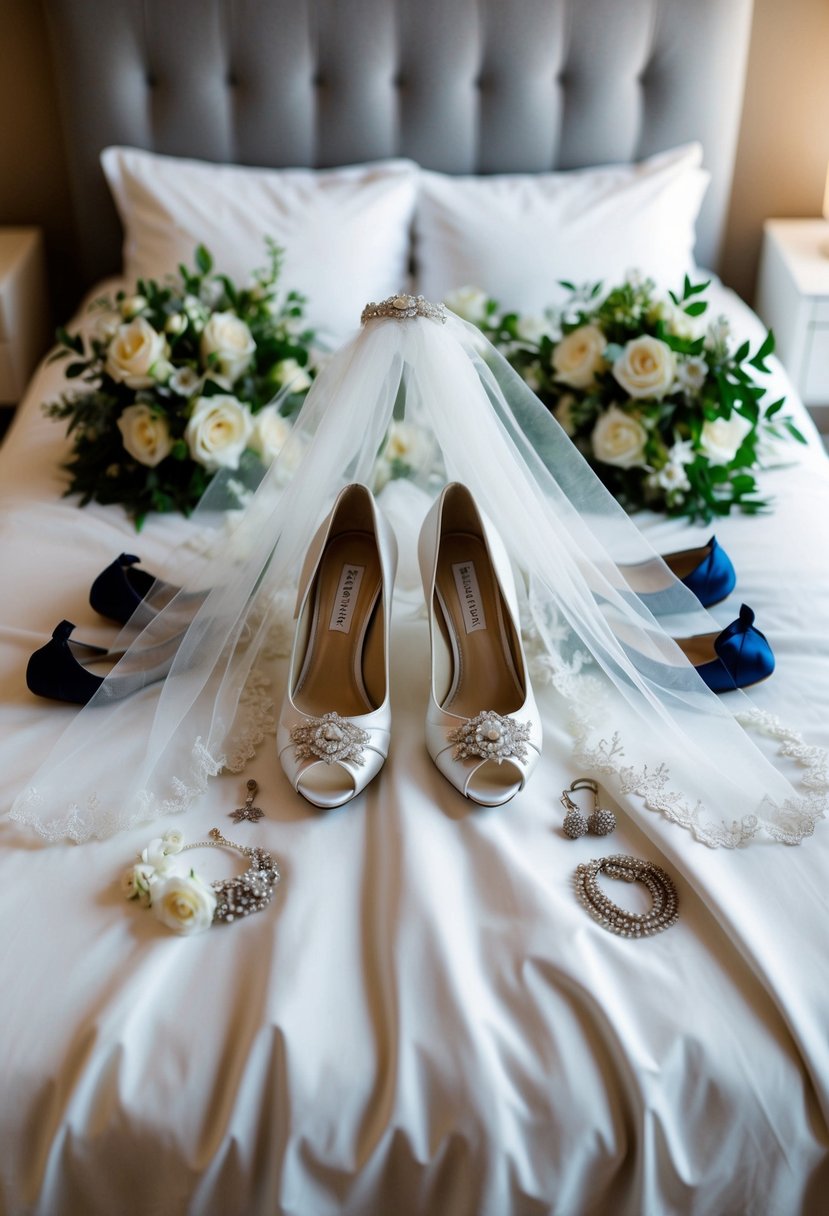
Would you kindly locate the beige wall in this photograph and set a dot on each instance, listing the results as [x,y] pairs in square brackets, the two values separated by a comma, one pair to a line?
[781,162]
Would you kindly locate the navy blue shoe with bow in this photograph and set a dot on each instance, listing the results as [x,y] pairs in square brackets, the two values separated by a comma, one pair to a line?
[736,658]
[707,571]
[61,671]
[120,588]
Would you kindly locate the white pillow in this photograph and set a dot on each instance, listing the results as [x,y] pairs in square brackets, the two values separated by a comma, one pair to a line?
[346,232]
[516,235]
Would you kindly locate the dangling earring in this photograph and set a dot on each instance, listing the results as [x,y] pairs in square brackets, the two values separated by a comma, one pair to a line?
[601,822]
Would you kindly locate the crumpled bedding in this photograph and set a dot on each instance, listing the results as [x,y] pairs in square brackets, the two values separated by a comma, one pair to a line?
[425,1020]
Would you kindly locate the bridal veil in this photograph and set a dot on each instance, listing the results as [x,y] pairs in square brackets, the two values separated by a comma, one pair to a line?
[599,609]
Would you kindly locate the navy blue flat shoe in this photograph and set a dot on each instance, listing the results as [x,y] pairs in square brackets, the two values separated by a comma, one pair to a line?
[736,658]
[120,588]
[707,571]
[61,670]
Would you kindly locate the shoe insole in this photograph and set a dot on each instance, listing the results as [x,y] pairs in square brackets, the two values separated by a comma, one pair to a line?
[699,649]
[343,668]
[681,564]
[481,666]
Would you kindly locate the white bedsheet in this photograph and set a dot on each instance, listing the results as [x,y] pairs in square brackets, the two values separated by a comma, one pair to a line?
[425,1021]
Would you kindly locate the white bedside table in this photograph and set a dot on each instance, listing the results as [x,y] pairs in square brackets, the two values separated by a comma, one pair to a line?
[793,300]
[24,314]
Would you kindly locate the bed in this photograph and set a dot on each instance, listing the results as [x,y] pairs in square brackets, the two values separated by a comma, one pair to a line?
[425,1021]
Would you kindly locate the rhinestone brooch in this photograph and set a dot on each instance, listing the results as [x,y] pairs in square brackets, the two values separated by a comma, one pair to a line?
[404,307]
[492,737]
[329,738]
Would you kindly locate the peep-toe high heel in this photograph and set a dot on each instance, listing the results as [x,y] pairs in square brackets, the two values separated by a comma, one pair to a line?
[334,730]
[483,729]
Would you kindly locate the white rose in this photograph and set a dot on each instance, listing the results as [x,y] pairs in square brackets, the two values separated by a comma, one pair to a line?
[619,439]
[675,319]
[408,444]
[136,883]
[563,414]
[227,338]
[218,431]
[176,323]
[270,433]
[133,305]
[673,478]
[646,367]
[289,373]
[173,840]
[721,437]
[579,356]
[133,352]
[532,329]
[145,434]
[185,381]
[467,302]
[184,903]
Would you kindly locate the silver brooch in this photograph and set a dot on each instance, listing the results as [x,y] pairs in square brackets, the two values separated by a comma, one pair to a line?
[403,307]
[492,737]
[330,738]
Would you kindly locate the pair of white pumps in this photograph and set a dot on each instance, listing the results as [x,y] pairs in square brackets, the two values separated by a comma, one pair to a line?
[483,729]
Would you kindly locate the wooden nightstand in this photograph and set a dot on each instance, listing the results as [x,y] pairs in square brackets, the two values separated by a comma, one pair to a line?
[24,314]
[793,300]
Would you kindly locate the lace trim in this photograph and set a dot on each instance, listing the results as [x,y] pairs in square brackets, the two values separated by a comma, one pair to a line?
[789,823]
[81,824]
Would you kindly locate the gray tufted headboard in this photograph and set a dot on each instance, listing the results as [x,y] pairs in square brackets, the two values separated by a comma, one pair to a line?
[462,86]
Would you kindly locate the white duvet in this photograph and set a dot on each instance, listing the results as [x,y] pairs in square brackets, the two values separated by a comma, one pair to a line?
[425,1020]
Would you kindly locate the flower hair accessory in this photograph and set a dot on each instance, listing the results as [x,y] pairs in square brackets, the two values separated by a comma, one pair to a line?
[183,900]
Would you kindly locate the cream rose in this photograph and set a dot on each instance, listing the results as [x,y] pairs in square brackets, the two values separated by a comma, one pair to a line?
[230,342]
[579,356]
[145,434]
[218,431]
[133,352]
[646,367]
[467,302]
[721,437]
[270,433]
[289,373]
[619,439]
[184,903]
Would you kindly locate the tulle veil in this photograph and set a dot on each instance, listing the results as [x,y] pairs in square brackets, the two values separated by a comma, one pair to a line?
[599,608]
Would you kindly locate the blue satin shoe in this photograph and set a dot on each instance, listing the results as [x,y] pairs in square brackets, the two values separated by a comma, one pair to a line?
[736,658]
[120,588]
[707,571]
[60,669]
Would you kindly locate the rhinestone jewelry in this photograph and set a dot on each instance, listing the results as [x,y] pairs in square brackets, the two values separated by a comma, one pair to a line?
[492,737]
[248,811]
[247,893]
[664,908]
[403,307]
[601,822]
[331,739]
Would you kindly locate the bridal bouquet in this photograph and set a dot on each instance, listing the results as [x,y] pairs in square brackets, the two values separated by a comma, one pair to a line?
[182,378]
[667,412]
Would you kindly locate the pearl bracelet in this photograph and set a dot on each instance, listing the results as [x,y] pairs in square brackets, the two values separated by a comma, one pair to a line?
[185,902]
[664,909]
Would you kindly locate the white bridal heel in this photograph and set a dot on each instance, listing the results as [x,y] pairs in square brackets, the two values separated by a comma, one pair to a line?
[333,733]
[483,729]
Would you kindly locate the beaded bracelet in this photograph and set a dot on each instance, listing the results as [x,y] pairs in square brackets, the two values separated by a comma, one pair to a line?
[664,909]
[185,902]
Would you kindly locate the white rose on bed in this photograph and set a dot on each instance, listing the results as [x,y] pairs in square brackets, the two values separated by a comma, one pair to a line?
[134,352]
[579,356]
[468,302]
[145,434]
[184,903]
[271,432]
[720,438]
[291,375]
[619,439]
[218,431]
[227,345]
[646,367]
[136,883]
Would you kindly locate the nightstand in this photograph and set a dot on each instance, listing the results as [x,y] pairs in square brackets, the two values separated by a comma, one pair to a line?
[793,300]
[24,315]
